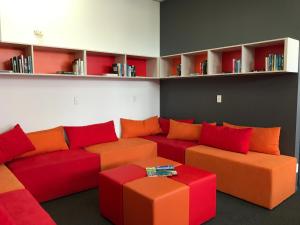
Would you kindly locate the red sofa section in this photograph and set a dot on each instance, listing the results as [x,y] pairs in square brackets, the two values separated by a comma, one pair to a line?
[20,208]
[171,149]
[57,174]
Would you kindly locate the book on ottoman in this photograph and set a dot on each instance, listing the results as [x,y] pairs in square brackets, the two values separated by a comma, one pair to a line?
[161,171]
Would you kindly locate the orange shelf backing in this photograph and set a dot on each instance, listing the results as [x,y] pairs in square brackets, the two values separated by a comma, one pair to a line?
[6,54]
[49,62]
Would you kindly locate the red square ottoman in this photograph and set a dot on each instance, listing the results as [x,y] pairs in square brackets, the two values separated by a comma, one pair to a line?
[202,190]
[111,190]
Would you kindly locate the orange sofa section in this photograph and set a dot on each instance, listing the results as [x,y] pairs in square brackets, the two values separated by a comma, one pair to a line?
[123,151]
[8,180]
[263,179]
[158,201]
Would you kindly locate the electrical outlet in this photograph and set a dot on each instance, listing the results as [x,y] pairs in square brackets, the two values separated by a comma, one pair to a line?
[75,100]
[134,99]
[219,98]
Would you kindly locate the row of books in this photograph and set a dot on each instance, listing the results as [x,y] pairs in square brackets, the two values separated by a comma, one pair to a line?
[274,62]
[124,70]
[21,64]
[236,65]
[203,67]
[164,171]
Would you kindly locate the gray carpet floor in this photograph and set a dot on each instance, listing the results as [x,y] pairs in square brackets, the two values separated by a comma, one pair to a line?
[82,209]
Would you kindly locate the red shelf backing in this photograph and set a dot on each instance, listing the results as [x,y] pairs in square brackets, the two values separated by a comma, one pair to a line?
[227,58]
[262,52]
[199,59]
[175,62]
[49,62]
[140,64]
[99,64]
[6,54]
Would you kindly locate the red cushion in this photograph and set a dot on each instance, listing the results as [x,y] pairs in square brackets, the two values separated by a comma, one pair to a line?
[90,135]
[23,209]
[171,148]
[165,124]
[226,138]
[57,174]
[13,143]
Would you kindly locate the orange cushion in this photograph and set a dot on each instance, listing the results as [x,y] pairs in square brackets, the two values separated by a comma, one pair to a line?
[47,141]
[264,140]
[185,131]
[139,128]
[8,180]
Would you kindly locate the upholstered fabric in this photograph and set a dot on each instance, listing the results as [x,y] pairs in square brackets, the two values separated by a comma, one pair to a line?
[171,149]
[158,201]
[111,190]
[156,161]
[123,151]
[84,136]
[14,143]
[139,128]
[23,209]
[264,140]
[9,182]
[57,174]
[202,187]
[46,141]
[263,179]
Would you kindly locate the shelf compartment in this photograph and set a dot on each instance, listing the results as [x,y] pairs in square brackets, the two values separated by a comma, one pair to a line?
[169,65]
[191,63]
[221,60]
[145,66]
[255,54]
[99,63]
[49,60]
[9,50]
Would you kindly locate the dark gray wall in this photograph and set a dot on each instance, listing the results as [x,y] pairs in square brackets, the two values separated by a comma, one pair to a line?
[258,100]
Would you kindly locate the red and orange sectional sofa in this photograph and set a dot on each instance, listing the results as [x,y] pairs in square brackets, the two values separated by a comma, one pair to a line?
[40,166]
[240,160]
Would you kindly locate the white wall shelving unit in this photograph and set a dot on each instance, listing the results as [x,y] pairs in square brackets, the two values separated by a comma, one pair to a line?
[219,60]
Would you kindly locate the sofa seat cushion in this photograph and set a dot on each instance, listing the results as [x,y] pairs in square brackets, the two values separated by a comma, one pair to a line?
[9,182]
[56,174]
[123,151]
[171,149]
[23,209]
[260,178]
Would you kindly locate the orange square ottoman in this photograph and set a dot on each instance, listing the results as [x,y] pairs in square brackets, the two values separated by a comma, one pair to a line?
[156,201]
[202,196]
[111,190]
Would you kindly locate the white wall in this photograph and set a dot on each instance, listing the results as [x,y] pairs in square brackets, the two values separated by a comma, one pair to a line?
[129,26]
[49,102]
[105,25]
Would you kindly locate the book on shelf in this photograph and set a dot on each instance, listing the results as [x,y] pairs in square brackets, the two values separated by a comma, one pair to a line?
[161,171]
[78,67]
[203,67]
[21,64]
[123,70]
[274,62]
[236,65]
